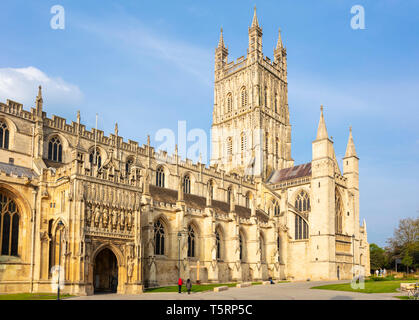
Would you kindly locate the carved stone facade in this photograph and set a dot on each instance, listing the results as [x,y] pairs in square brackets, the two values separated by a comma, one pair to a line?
[117,216]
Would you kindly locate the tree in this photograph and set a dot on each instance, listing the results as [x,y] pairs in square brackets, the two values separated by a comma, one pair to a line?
[405,242]
[377,257]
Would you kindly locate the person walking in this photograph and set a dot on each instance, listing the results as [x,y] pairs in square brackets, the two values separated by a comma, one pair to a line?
[189,285]
[179,283]
[376,272]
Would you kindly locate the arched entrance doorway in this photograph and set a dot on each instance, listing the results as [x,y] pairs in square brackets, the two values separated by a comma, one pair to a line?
[105,276]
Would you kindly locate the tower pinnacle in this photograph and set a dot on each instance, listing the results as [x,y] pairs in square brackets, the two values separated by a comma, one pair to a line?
[321,129]
[255,22]
[221,41]
[279,43]
[350,148]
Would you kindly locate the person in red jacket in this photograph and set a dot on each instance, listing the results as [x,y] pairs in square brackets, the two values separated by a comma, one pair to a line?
[180,284]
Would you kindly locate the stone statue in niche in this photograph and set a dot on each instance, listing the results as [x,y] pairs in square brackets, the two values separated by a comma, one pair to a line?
[129,220]
[97,216]
[122,220]
[89,214]
[114,218]
[105,217]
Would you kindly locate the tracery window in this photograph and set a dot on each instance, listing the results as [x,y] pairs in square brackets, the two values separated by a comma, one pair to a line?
[159,237]
[301,228]
[191,241]
[229,103]
[247,199]
[9,226]
[160,177]
[55,150]
[302,202]
[128,165]
[95,158]
[4,135]
[244,97]
[338,213]
[186,184]
[229,146]
[243,143]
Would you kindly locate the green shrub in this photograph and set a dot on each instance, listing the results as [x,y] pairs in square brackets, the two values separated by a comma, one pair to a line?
[388,278]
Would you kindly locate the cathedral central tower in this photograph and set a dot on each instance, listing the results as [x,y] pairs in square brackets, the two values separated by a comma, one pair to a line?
[251,132]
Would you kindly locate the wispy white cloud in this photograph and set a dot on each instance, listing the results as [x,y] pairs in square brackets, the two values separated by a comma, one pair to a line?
[134,37]
[21,85]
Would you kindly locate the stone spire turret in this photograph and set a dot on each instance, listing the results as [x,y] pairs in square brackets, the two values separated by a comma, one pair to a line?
[321,129]
[350,148]
[255,39]
[221,41]
[255,22]
[221,53]
[279,44]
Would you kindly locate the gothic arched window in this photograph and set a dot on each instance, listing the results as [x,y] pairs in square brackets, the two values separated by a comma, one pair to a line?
[266,97]
[243,143]
[159,237]
[160,177]
[218,244]
[338,213]
[229,103]
[186,184]
[4,135]
[244,97]
[229,146]
[229,194]
[55,150]
[128,165]
[301,228]
[191,241]
[277,147]
[95,158]
[277,209]
[302,202]
[9,226]
[276,102]
[247,199]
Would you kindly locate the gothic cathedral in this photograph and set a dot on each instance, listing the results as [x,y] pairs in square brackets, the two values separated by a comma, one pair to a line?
[114,216]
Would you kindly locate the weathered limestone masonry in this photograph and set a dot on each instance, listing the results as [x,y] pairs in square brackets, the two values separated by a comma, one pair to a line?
[118,216]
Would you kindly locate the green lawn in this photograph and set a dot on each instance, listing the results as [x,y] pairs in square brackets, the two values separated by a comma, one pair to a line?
[195,287]
[32,296]
[370,286]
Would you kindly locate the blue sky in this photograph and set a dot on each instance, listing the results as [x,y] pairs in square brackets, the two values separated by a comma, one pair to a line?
[149,64]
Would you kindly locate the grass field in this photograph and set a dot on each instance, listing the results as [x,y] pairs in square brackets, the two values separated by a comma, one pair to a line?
[370,286]
[32,296]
